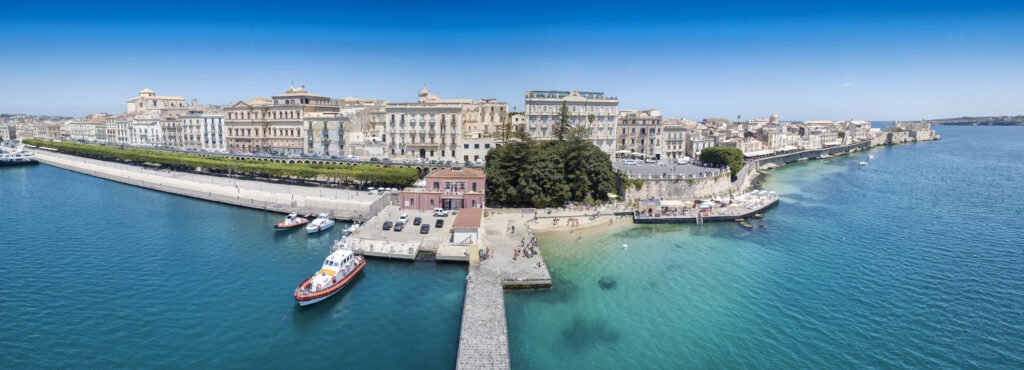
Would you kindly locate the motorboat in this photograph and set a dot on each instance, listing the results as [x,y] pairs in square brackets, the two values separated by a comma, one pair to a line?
[290,222]
[338,270]
[351,228]
[16,157]
[871,156]
[862,164]
[321,223]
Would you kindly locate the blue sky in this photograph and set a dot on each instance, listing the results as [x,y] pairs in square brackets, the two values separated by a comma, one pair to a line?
[803,60]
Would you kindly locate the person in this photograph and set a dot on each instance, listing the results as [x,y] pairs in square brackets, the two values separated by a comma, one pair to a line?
[469,278]
[513,229]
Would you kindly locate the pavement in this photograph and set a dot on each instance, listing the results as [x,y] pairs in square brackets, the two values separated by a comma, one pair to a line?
[645,170]
[373,229]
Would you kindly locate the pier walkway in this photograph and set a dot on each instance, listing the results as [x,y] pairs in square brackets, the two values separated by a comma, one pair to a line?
[344,204]
[483,340]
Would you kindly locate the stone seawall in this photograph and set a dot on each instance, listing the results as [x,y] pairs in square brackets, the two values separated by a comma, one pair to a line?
[788,158]
[681,188]
[343,204]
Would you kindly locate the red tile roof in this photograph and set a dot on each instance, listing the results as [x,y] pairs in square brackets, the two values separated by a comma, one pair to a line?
[469,217]
[463,172]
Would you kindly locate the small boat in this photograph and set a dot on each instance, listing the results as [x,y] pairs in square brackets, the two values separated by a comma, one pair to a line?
[321,223]
[351,228]
[871,156]
[290,222]
[862,164]
[338,270]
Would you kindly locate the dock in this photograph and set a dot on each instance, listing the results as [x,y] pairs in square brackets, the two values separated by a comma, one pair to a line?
[641,219]
[483,339]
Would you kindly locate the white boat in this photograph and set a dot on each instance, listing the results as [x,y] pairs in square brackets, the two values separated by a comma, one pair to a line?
[871,156]
[351,228]
[321,223]
[862,164]
[338,270]
[16,157]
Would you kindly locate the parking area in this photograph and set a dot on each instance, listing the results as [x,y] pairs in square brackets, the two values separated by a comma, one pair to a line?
[374,228]
[664,170]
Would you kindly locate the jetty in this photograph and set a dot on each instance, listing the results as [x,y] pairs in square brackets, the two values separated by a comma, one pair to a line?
[654,212]
[342,204]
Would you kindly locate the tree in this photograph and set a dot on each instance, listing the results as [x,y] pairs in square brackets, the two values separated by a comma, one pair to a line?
[562,128]
[723,156]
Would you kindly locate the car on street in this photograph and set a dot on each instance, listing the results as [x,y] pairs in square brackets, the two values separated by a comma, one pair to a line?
[425,228]
[386,160]
[387,225]
[374,159]
[403,218]
[439,223]
[417,220]
[399,226]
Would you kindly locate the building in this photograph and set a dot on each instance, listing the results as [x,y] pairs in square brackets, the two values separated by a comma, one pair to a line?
[695,144]
[146,131]
[433,128]
[8,132]
[466,228]
[324,132]
[449,188]
[91,129]
[592,110]
[148,101]
[203,130]
[673,137]
[640,134]
[262,125]
[474,149]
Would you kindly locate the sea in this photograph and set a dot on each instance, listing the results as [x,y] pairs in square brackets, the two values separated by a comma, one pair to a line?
[913,261]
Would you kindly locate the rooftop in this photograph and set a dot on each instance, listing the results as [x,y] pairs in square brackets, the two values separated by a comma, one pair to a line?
[458,172]
[469,218]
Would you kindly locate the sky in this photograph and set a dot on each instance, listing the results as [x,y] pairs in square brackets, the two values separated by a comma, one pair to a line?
[803,60]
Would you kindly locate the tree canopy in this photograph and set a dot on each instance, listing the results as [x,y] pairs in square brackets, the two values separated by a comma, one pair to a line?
[402,176]
[723,156]
[548,173]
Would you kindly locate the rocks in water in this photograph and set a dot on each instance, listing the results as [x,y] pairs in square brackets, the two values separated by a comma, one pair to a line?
[606,283]
[583,334]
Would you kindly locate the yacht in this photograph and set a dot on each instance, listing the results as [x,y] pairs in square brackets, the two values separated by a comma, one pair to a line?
[338,270]
[321,223]
[16,157]
[290,222]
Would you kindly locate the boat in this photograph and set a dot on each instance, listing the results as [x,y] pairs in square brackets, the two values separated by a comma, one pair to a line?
[16,157]
[321,223]
[871,156]
[338,270]
[862,164]
[290,222]
[351,229]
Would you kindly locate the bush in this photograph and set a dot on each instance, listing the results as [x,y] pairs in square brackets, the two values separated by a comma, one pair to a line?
[723,156]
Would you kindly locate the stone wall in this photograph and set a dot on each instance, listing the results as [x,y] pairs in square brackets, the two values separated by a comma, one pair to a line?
[682,188]
[784,159]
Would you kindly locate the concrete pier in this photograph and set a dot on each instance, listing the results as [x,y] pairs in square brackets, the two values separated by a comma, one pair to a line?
[712,218]
[344,204]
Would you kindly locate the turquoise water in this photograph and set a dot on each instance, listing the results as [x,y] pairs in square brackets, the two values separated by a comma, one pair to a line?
[100,274]
[913,261]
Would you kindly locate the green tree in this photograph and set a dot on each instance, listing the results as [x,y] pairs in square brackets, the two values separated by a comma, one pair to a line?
[562,128]
[723,156]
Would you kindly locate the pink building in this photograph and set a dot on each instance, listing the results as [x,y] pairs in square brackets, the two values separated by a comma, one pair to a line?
[448,188]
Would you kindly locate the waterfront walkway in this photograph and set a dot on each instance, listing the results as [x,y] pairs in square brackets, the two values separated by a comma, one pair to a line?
[344,204]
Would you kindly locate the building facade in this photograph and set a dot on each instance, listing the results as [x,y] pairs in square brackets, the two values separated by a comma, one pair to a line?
[450,188]
[640,134]
[592,110]
[148,101]
[204,130]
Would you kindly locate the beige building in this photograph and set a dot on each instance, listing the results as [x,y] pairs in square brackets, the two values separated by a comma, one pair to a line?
[673,137]
[148,101]
[433,128]
[262,125]
[542,115]
[640,134]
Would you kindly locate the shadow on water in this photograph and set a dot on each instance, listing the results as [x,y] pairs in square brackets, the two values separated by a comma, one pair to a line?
[607,283]
[583,333]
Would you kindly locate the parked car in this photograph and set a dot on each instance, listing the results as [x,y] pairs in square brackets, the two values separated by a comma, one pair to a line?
[387,225]
[403,218]
[417,221]
[425,228]
[649,160]
[419,161]
[440,212]
[434,161]
[351,158]
[629,162]
[439,223]
[386,160]
[399,226]
[374,159]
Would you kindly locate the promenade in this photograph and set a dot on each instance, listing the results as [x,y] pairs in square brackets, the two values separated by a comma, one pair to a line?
[344,204]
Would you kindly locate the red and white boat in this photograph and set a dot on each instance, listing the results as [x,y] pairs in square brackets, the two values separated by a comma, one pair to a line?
[338,270]
[290,222]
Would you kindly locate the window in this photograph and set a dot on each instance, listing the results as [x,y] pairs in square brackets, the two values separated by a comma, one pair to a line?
[465,146]
[436,185]
[474,186]
[431,202]
[476,146]
[487,146]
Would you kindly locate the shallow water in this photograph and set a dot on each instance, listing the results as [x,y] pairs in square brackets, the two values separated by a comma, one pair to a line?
[100,274]
[912,261]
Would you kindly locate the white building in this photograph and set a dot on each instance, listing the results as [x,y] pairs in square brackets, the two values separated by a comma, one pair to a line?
[592,110]
[204,130]
[146,131]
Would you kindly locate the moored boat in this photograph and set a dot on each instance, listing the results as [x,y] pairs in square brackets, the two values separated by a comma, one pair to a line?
[16,157]
[290,222]
[321,223]
[338,270]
